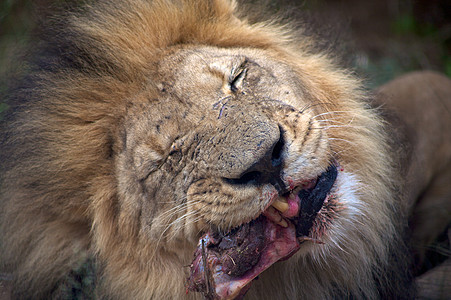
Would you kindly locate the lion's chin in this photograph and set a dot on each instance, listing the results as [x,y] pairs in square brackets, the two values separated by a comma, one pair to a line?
[225,264]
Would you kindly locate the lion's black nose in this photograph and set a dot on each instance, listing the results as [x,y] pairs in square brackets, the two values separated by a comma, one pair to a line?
[265,170]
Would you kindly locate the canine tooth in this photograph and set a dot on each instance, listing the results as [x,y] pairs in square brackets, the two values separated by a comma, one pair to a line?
[274,215]
[283,223]
[280,205]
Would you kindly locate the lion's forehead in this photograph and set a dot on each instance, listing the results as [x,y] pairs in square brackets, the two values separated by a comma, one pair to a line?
[197,74]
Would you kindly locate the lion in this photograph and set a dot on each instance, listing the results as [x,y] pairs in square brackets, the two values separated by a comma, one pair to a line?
[146,126]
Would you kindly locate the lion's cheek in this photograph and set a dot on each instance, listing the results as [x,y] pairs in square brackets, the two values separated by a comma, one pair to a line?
[225,206]
[308,152]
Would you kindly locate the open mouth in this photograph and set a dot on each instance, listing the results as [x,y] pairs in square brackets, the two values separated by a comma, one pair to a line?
[224,265]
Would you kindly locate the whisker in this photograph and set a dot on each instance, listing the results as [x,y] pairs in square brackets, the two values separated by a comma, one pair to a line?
[179,219]
[338,126]
[343,140]
[309,106]
[183,218]
[331,112]
[179,207]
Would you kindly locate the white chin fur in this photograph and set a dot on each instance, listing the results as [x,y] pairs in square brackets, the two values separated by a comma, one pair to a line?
[347,190]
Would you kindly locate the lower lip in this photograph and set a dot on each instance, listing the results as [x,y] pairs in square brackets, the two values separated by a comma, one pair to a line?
[294,203]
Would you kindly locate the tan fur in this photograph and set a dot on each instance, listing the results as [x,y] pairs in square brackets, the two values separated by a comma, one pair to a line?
[421,102]
[123,158]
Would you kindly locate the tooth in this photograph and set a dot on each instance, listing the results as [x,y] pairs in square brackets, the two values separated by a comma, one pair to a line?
[274,215]
[280,205]
[283,223]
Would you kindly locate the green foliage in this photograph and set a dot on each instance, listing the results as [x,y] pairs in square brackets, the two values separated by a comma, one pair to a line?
[5,9]
[16,17]
[404,24]
[3,108]
[16,22]
[378,72]
[447,63]
[407,24]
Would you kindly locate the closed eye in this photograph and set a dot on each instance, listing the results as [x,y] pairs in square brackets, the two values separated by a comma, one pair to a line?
[236,79]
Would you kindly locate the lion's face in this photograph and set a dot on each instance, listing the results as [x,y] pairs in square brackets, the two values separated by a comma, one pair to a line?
[222,135]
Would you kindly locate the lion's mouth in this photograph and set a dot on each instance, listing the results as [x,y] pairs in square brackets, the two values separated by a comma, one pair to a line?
[225,264]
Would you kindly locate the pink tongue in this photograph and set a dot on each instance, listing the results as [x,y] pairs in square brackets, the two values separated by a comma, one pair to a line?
[211,275]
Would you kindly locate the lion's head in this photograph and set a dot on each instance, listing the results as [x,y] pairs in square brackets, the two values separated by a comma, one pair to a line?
[160,121]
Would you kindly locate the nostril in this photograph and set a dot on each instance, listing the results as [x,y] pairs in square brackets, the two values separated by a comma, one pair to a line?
[246,178]
[266,167]
[276,156]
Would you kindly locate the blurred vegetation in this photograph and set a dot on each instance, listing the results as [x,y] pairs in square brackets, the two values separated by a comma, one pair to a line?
[16,24]
[382,39]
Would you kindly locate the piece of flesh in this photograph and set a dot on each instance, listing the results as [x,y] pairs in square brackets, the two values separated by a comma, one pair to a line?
[223,266]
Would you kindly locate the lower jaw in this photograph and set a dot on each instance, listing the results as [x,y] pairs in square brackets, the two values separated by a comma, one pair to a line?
[217,271]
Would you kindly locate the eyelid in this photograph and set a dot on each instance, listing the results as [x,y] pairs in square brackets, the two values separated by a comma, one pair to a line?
[232,70]
[237,77]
